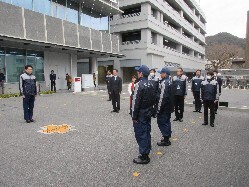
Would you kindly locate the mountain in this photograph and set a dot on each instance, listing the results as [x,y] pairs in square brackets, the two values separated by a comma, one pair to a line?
[226,38]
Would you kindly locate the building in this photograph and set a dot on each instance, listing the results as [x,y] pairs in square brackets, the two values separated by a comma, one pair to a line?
[247,42]
[55,35]
[159,33]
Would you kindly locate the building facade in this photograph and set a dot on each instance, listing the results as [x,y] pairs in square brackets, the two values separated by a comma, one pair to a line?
[247,42]
[159,33]
[55,35]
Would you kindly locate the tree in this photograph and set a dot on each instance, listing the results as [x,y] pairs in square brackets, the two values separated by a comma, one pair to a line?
[220,55]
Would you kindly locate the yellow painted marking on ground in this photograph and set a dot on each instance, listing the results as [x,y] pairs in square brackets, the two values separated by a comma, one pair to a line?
[185,130]
[159,153]
[60,129]
[136,174]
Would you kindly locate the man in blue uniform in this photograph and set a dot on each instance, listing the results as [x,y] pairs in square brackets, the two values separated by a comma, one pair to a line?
[53,81]
[28,91]
[196,90]
[143,100]
[165,99]
[180,91]
[209,95]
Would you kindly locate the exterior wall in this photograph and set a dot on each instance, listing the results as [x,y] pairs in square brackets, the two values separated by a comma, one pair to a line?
[247,43]
[61,64]
[19,23]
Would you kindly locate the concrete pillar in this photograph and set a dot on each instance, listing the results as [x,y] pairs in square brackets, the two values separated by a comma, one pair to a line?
[158,15]
[179,48]
[181,13]
[93,67]
[159,40]
[162,17]
[146,36]
[191,53]
[145,9]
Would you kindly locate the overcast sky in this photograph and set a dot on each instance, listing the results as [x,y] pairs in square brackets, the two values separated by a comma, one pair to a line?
[226,16]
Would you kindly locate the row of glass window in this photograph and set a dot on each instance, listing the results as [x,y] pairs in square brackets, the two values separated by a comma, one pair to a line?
[12,62]
[67,10]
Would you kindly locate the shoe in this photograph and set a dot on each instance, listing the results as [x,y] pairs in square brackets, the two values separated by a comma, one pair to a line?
[176,119]
[200,111]
[195,111]
[164,142]
[212,125]
[204,123]
[28,121]
[117,111]
[32,120]
[180,120]
[215,113]
[114,111]
[142,159]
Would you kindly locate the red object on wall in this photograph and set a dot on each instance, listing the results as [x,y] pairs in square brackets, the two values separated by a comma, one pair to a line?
[77,79]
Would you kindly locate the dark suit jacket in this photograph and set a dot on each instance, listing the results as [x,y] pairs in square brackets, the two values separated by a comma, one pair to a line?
[219,80]
[115,85]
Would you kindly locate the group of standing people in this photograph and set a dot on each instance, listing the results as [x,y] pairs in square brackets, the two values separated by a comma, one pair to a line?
[159,98]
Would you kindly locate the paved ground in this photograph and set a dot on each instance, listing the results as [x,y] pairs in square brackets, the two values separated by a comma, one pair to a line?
[100,151]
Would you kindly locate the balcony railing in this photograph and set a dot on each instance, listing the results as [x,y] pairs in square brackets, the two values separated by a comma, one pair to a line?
[131,42]
[131,15]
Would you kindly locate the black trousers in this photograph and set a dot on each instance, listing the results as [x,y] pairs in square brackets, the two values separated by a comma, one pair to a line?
[115,101]
[28,106]
[209,105]
[108,89]
[216,106]
[53,86]
[197,101]
[179,106]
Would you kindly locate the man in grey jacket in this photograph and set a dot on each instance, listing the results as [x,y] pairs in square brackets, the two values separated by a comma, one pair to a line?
[28,91]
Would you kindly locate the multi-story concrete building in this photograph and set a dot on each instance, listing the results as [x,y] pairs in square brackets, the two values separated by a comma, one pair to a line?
[247,42]
[55,35]
[159,33]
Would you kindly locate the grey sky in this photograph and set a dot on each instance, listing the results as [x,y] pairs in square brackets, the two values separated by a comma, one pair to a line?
[226,16]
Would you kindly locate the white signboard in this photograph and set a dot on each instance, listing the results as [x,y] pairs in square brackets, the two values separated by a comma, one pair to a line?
[77,84]
[87,81]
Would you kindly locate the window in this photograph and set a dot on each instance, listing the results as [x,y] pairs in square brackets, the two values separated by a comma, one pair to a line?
[72,12]
[42,6]
[36,60]
[28,4]
[15,62]
[59,9]
[2,60]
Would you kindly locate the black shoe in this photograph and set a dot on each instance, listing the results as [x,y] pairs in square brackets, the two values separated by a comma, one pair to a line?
[28,121]
[215,112]
[142,159]
[212,125]
[200,111]
[180,120]
[164,142]
[117,111]
[204,123]
[114,111]
[176,119]
[32,120]
[195,111]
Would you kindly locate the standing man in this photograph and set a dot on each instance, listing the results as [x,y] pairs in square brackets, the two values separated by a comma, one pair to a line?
[196,90]
[107,79]
[2,79]
[219,80]
[53,79]
[143,100]
[28,91]
[209,95]
[165,99]
[115,90]
[180,91]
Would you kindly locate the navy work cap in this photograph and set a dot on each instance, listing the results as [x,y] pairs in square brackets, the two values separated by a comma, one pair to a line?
[165,70]
[144,69]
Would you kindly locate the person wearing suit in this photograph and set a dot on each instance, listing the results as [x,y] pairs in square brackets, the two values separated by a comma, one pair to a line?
[53,79]
[115,90]
[219,80]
